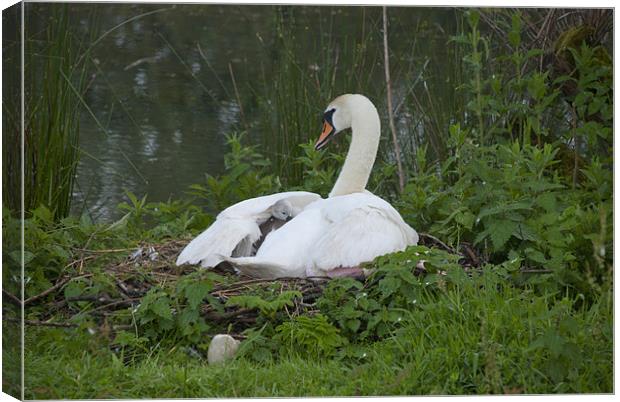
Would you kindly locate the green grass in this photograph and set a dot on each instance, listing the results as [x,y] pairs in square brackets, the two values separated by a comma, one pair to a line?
[468,340]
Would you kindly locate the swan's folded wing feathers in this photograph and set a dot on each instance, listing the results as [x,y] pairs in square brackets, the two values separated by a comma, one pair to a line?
[221,238]
[254,207]
[237,228]
[260,268]
[364,233]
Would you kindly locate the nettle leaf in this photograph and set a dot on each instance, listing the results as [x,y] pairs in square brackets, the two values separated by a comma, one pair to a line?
[196,292]
[266,307]
[525,232]
[466,219]
[60,252]
[16,255]
[161,307]
[389,285]
[547,201]
[354,324]
[499,209]
[187,317]
[500,231]
[535,255]
[538,186]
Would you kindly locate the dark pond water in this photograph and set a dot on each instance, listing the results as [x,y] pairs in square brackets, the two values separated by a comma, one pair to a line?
[163,84]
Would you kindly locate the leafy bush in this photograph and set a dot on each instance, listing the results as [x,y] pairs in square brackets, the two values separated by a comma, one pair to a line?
[521,180]
[247,175]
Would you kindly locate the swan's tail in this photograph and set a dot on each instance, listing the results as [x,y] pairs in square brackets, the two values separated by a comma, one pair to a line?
[259,268]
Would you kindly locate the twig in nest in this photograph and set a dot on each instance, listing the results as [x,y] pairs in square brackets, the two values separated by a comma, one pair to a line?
[439,242]
[229,315]
[43,323]
[470,253]
[14,299]
[128,302]
[103,298]
[57,286]
[105,251]
[536,271]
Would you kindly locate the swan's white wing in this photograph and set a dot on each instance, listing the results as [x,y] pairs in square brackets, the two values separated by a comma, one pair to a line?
[259,268]
[342,231]
[284,253]
[238,225]
[360,235]
[220,239]
[256,206]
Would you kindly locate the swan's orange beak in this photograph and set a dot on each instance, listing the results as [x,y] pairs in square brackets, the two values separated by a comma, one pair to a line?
[328,131]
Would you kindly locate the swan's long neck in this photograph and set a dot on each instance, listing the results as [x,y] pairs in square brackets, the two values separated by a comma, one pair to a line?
[365,136]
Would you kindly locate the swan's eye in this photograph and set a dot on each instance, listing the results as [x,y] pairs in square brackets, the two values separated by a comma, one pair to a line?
[328,116]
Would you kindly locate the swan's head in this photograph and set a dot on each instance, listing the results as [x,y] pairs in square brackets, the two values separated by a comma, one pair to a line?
[338,116]
[282,210]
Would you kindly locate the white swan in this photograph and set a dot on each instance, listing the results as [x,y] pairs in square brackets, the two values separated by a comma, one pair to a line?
[241,227]
[333,236]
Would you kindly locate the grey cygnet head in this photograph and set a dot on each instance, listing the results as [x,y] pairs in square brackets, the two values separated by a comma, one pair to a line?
[282,210]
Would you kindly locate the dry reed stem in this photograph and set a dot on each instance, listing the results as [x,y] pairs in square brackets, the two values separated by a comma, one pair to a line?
[388,82]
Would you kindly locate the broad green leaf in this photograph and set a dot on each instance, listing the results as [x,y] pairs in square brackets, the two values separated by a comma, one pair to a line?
[500,231]
[161,307]
[196,292]
[498,209]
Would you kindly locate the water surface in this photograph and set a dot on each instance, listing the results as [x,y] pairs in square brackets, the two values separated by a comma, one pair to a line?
[163,88]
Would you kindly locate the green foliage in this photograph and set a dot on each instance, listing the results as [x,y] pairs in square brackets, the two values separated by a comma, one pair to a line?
[509,201]
[268,308]
[309,336]
[375,309]
[474,338]
[247,172]
[175,313]
[319,168]
[521,181]
[593,102]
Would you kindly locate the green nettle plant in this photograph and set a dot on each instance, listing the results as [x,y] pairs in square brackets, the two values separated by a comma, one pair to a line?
[512,187]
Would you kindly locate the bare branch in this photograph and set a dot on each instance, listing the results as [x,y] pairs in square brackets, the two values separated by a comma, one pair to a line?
[388,82]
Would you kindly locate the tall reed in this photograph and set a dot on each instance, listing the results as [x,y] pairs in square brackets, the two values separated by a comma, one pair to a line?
[309,70]
[307,76]
[54,82]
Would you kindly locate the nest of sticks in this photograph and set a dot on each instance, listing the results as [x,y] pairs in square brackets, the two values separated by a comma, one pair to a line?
[135,271]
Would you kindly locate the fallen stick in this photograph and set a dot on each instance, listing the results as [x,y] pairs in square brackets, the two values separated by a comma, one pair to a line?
[14,299]
[57,286]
